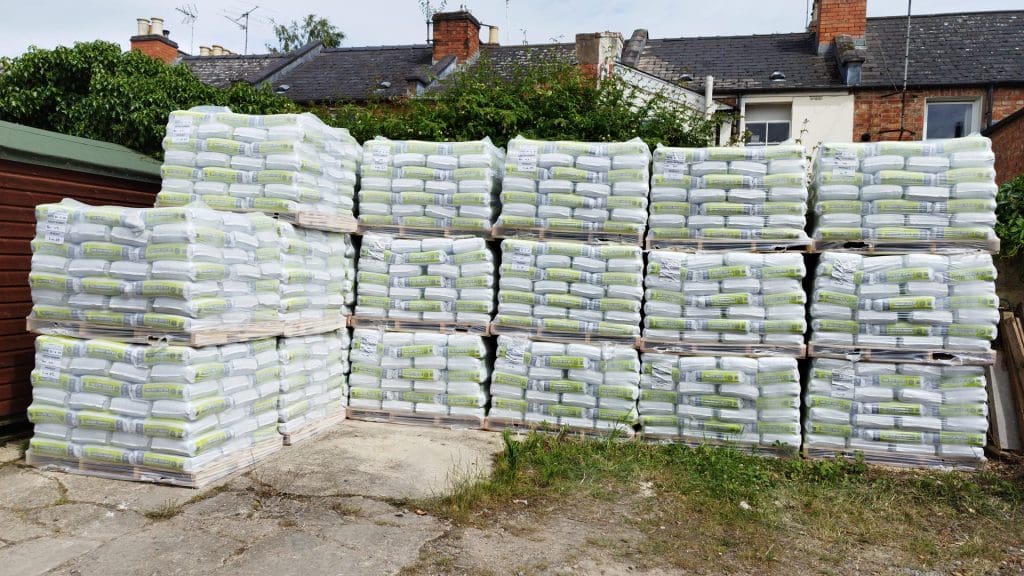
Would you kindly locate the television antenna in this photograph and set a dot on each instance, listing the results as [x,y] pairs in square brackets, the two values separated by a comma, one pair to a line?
[243,24]
[189,15]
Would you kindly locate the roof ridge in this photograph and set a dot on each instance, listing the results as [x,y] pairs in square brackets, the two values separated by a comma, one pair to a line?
[805,33]
[938,14]
[382,47]
[543,44]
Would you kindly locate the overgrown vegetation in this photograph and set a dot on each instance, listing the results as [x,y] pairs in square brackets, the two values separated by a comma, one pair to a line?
[550,100]
[94,90]
[700,505]
[1010,217]
[298,33]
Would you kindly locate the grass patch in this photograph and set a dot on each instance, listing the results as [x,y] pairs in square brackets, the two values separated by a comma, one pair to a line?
[165,511]
[742,511]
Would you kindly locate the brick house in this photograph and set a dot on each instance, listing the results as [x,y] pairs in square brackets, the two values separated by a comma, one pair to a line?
[839,80]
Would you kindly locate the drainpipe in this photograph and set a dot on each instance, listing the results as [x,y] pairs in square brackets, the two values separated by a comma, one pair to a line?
[709,103]
[989,96]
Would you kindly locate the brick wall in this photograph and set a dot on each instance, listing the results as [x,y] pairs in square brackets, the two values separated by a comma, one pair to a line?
[876,111]
[1008,144]
[158,47]
[456,34]
[833,18]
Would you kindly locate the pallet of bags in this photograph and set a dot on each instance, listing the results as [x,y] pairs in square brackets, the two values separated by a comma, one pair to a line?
[420,378]
[317,285]
[897,414]
[589,191]
[185,274]
[290,165]
[170,414]
[444,284]
[314,384]
[569,291]
[587,388]
[729,198]
[414,188]
[914,307]
[721,400]
[934,196]
[725,303]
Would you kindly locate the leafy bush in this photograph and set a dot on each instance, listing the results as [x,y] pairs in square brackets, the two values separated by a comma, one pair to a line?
[94,90]
[551,100]
[1010,216]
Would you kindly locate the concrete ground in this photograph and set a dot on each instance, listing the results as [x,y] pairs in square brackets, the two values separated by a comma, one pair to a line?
[340,504]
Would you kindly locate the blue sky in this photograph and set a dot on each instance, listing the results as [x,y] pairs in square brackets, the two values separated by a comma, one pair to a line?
[47,23]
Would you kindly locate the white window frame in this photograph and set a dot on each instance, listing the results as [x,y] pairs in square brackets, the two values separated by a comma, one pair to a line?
[762,100]
[975,103]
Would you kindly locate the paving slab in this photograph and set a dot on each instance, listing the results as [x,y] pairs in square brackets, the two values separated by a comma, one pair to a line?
[382,461]
[134,496]
[38,556]
[14,527]
[88,520]
[24,488]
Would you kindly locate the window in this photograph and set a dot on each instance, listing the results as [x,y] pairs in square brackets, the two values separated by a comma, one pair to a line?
[949,119]
[767,123]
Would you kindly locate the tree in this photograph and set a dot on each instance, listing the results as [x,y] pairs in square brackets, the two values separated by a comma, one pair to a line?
[309,29]
[551,100]
[94,90]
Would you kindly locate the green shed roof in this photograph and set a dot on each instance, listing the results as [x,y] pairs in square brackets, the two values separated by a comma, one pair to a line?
[44,148]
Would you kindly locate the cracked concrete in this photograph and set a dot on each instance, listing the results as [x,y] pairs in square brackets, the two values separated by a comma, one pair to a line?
[332,505]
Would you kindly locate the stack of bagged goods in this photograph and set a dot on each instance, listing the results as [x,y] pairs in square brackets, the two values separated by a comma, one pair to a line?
[282,164]
[726,298]
[430,185]
[919,301]
[317,273]
[722,399]
[430,280]
[575,186]
[419,373]
[170,270]
[314,385]
[908,410]
[725,194]
[570,288]
[941,190]
[584,386]
[170,408]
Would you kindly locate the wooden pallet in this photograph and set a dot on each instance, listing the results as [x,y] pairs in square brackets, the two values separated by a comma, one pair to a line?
[418,325]
[315,429]
[403,231]
[719,349]
[590,237]
[893,459]
[727,245]
[342,223]
[1011,334]
[909,355]
[538,334]
[883,247]
[416,419]
[218,470]
[213,336]
[494,424]
[309,326]
[756,449]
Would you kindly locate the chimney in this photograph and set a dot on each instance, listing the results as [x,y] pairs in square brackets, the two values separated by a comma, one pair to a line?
[831,18]
[456,34]
[597,52]
[153,41]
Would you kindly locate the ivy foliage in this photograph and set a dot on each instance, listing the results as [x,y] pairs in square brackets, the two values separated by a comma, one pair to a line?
[551,100]
[94,90]
[1010,217]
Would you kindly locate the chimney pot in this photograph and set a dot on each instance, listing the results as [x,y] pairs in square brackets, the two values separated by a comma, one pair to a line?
[167,33]
[492,35]
[217,50]
[156,26]
[142,26]
[204,50]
